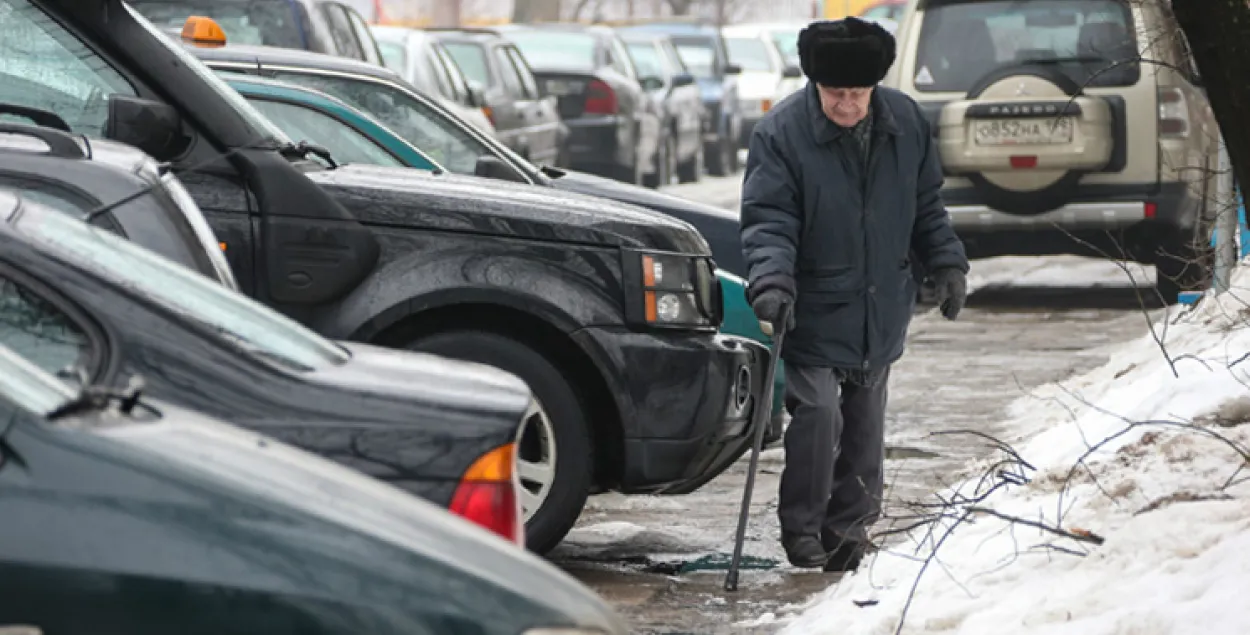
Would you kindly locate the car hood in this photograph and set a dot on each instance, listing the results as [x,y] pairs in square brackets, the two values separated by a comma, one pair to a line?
[444,201]
[197,499]
[718,226]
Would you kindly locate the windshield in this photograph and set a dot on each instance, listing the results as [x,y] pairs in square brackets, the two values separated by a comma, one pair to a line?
[194,297]
[345,144]
[698,56]
[556,50]
[749,53]
[394,56]
[1089,40]
[30,388]
[646,59]
[787,42]
[415,122]
[257,121]
[471,59]
[257,22]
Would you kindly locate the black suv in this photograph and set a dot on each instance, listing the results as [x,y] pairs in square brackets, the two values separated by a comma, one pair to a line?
[609,312]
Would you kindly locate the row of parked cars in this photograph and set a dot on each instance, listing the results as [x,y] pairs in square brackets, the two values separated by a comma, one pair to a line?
[287,345]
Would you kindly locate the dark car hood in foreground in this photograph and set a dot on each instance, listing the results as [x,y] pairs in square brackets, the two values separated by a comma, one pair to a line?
[718,226]
[448,202]
[196,507]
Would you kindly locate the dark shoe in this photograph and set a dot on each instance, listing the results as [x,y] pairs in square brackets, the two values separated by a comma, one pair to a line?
[804,551]
[845,554]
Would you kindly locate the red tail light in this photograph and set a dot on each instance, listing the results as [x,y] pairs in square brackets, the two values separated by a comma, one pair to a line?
[487,494]
[600,98]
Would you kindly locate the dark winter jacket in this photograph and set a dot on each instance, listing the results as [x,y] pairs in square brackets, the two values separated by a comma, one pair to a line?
[807,226]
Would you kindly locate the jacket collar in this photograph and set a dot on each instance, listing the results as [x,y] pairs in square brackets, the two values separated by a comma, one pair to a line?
[825,131]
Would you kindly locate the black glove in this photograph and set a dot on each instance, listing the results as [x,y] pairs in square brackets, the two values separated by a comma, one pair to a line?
[767,306]
[952,290]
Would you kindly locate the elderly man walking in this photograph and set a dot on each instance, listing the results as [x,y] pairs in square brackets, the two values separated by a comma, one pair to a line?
[841,191]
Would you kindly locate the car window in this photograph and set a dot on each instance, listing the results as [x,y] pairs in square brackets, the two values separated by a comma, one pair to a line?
[675,62]
[346,144]
[647,59]
[39,331]
[394,56]
[195,298]
[25,385]
[439,72]
[523,71]
[471,58]
[620,59]
[458,81]
[363,35]
[408,117]
[787,43]
[507,72]
[255,23]
[698,55]
[341,31]
[44,66]
[1091,41]
[557,50]
[750,53]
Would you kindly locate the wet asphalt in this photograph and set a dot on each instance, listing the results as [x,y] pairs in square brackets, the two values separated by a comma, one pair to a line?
[660,561]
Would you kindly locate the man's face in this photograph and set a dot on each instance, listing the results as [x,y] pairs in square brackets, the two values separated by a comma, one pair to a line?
[845,106]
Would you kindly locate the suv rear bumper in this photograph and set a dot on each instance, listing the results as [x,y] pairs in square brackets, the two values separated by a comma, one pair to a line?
[685,401]
[1115,220]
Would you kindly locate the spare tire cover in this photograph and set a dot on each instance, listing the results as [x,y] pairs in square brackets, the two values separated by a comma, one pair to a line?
[1024,136]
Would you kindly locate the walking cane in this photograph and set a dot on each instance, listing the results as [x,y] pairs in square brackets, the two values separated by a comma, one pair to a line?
[761,424]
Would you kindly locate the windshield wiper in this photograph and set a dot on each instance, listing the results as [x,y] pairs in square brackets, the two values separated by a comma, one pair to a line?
[94,397]
[303,149]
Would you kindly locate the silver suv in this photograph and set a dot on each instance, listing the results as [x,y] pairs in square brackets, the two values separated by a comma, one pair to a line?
[1057,138]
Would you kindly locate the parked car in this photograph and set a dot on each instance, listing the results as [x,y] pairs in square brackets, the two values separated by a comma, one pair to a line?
[110,308]
[766,77]
[422,60]
[323,26]
[525,119]
[563,291]
[703,50]
[1056,138]
[284,104]
[614,127]
[675,95]
[79,176]
[891,10]
[785,36]
[457,146]
[126,514]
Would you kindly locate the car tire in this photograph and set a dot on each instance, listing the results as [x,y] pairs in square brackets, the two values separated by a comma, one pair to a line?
[692,170]
[565,495]
[721,161]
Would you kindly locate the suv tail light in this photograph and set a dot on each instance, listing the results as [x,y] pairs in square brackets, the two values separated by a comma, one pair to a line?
[487,494]
[600,98]
[1173,113]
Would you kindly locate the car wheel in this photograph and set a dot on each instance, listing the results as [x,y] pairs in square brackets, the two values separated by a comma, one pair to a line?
[554,453]
[1025,136]
[692,170]
[718,164]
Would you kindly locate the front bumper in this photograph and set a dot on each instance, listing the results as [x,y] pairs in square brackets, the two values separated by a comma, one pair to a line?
[686,403]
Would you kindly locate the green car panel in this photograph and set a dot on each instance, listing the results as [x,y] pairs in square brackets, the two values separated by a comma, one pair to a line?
[739,318]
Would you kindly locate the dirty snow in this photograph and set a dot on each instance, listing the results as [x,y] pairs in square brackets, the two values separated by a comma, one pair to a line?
[1176,556]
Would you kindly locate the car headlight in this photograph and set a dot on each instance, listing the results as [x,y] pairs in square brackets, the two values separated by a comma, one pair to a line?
[672,290]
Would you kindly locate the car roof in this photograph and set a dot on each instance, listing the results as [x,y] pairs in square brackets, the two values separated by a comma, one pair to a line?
[273,55]
[113,154]
[474,34]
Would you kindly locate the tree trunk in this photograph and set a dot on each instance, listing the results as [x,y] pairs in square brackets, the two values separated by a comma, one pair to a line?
[536,11]
[681,7]
[1219,38]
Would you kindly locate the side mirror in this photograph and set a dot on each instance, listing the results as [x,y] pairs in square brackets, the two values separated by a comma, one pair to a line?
[792,72]
[683,79]
[492,167]
[477,95]
[151,126]
[733,69]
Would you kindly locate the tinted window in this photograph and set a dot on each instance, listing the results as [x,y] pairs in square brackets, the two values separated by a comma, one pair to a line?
[345,144]
[1089,40]
[471,59]
[556,50]
[269,23]
[43,66]
[412,120]
[37,330]
[749,53]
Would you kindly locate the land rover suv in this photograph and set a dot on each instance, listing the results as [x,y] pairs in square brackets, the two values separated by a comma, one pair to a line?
[1056,136]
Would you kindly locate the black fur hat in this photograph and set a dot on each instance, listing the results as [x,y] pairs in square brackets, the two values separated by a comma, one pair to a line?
[845,53]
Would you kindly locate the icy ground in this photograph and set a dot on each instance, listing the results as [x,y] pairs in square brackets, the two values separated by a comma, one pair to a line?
[1126,511]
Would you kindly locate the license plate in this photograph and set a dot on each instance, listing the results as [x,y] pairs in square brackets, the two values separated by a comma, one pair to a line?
[560,87]
[1012,132]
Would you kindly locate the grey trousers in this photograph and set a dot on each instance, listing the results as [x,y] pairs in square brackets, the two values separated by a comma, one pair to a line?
[833,479]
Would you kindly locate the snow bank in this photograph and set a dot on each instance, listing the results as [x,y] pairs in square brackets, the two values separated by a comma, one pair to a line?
[1176,556]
